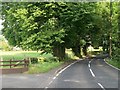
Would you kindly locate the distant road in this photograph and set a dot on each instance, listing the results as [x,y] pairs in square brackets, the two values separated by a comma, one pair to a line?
[89,73]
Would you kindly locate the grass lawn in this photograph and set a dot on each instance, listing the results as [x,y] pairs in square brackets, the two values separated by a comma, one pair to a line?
[39,67]
[18,55]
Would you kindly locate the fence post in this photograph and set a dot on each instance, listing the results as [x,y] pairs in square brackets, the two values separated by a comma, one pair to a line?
[29,60]
[10,63]
[24,62]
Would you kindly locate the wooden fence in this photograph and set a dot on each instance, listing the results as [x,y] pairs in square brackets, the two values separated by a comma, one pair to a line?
[14,66]
[16,63]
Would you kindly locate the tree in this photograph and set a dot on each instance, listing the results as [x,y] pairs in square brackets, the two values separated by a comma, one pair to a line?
[47,26]
[77,20]
[34,26]
[54,26]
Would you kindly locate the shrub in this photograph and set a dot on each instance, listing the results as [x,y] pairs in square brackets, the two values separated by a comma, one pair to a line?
[34,60]
[116,54]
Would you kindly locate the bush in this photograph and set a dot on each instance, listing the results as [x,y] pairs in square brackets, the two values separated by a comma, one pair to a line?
[53,59]
[34,60]
[116,54]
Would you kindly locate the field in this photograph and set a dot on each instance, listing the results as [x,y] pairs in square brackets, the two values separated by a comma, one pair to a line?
[18,55]
[39,67]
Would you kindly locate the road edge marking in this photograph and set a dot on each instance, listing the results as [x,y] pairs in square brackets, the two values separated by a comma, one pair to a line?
[61,72]
[111,65]
[66,67]
[57,71]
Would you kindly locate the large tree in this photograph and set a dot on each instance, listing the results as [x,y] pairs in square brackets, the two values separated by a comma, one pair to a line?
[54,26]
[47,26]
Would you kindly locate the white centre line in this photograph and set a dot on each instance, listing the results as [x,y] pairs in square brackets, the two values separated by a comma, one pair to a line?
[94,76]
[101,86]
[89,61]
[89,65]
[92,73]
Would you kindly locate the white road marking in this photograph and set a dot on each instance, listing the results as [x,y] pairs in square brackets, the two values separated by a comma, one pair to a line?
[50,82]
[72,81]
[67,67]
[89,61]
[92,73]
[60,73]
[101,86]
[54,78]
[89,65]
[57,74]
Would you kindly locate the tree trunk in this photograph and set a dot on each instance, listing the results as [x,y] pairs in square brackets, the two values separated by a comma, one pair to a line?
[85,50]
[59,51]
[77,50]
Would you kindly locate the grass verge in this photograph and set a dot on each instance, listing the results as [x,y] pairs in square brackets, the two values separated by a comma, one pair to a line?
[43,67]
[113,62]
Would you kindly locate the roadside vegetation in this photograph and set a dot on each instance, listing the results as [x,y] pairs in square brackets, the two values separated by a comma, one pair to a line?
[18,55]
[53,27]
[39,62]
[43,67]
[114,63]
[115,60]
[4,44]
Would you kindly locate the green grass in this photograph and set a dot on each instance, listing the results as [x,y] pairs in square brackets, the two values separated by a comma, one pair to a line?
[114,62]
[42,67]
[18,55]
[39,67]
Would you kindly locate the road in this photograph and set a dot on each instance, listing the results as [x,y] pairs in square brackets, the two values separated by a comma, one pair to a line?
[88,73]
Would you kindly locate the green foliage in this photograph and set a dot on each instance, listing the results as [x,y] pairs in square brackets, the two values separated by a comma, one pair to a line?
[116,54]
[54,26]
[114,61]
[4,46]
[40,25]
[34,60]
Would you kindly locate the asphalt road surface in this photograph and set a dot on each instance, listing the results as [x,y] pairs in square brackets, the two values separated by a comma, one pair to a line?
[88,73]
